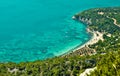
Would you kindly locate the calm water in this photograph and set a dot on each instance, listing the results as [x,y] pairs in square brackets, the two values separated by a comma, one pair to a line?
[38,29]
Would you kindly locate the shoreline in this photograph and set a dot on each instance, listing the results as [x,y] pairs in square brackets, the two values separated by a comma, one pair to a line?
[96,36]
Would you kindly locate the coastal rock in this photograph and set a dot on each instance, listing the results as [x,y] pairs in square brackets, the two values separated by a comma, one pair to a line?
[82,19]
[85,20]
[74,18]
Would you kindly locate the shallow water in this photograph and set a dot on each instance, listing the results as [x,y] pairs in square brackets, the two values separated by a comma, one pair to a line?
[38,29]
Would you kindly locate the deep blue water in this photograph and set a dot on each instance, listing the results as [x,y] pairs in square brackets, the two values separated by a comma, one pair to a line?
[38,29]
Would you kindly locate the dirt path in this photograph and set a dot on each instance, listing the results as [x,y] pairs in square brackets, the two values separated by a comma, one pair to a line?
[88,71]
[115,22]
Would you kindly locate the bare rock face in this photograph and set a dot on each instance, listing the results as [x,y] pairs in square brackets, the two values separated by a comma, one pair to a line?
[74,18]
[85,20]
[82,19]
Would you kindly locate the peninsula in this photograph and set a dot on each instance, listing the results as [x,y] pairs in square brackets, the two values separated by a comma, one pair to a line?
[102,52]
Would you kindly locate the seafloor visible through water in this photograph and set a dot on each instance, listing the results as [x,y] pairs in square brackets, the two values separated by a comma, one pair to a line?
[38,29]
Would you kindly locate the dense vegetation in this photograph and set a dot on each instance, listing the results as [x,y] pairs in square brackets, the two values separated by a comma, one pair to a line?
[107,59]
[59,66]
[108,65]
[100,19]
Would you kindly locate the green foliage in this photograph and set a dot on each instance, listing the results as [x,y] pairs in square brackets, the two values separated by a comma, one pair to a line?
[108,65]
[107,57]
[102,23]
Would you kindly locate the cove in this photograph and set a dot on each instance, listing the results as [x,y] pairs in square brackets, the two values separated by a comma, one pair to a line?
[39,29]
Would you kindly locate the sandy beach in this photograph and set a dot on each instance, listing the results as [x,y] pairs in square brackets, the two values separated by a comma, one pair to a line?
[96,36]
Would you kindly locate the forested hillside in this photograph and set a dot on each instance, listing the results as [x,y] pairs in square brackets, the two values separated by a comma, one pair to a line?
[106,59]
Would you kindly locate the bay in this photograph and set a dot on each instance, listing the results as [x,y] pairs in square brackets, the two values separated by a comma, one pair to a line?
[39,29]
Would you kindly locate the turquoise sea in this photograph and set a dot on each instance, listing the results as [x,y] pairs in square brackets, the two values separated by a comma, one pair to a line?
[38,29]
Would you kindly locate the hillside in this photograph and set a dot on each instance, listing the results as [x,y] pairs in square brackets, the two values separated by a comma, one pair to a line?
[106,59]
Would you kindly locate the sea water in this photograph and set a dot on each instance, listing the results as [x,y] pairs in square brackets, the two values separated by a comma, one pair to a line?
[39,29]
